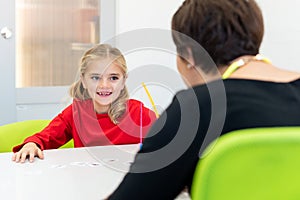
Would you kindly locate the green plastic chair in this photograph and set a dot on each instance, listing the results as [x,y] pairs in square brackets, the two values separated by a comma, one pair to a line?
[250,164]
[15,133]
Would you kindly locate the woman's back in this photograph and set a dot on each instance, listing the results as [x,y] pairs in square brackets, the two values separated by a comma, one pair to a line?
[254,103]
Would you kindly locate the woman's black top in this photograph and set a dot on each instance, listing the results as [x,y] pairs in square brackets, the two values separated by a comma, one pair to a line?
[196,116]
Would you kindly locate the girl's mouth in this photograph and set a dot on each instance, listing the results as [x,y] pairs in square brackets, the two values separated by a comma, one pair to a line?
[104,94]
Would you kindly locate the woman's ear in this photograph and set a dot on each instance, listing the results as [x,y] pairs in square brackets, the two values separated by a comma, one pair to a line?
[190,58]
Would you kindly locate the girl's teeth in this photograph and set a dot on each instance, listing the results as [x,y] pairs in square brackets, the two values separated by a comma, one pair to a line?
[104,93]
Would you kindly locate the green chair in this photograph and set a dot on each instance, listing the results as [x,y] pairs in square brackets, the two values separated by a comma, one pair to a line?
[250,164]
[15,133]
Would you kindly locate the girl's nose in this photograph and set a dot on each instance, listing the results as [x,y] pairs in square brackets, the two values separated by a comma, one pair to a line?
[102,83]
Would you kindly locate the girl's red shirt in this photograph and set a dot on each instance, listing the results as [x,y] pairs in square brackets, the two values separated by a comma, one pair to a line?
[87,128]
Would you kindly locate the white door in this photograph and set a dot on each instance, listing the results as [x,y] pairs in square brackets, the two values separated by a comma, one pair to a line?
[7,62]
[39,59]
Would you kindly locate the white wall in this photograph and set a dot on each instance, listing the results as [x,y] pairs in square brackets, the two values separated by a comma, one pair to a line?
[281,42]
[148,23]
[282,28]
[136,14]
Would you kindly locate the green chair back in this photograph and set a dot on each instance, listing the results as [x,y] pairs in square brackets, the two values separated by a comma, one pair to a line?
[250,164]
[15,133]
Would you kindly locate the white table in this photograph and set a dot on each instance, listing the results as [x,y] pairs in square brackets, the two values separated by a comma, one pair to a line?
[67,174]
[80,173]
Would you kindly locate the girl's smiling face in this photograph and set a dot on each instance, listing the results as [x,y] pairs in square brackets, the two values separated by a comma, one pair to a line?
[104,81]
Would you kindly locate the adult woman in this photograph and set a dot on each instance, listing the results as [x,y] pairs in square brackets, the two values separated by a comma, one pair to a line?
[254,94]
[101,113]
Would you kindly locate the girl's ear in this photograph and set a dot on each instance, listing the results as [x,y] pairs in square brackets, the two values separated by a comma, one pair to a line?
[82,81]
[124,80]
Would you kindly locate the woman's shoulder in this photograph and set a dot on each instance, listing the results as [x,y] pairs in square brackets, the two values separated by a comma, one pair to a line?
[201,91]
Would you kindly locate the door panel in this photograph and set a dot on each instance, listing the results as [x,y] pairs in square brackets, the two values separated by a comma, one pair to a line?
[7,63]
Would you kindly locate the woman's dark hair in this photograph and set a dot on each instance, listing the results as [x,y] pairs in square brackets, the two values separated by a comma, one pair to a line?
[226,29]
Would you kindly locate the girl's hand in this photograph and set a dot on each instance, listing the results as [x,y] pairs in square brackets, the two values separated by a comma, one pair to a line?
[29,150]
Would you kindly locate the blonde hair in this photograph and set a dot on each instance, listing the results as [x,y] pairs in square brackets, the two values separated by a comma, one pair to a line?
[102,51]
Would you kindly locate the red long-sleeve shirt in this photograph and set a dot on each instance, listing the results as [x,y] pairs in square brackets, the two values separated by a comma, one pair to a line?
[87,128]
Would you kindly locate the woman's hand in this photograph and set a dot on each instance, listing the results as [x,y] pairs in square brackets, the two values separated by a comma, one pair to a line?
[29,150]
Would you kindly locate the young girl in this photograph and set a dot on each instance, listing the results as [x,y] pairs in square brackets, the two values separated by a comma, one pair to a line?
[101,113]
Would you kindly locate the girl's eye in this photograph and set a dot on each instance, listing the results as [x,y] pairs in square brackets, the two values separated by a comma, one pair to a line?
[113,78]
[95,78]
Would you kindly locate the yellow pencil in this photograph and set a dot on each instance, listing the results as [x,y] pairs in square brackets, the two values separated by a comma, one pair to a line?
[151,100]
